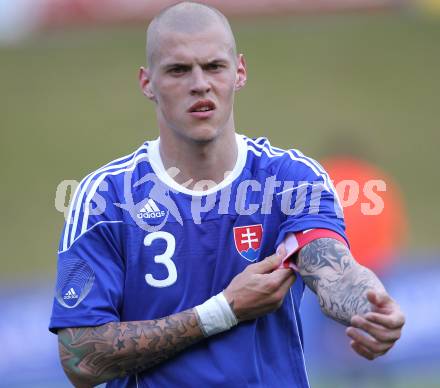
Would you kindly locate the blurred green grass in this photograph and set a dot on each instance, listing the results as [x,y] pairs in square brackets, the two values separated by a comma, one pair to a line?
[366,85]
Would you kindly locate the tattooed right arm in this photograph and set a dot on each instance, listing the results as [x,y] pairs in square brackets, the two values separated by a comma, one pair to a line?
[92,355]
[341,284]
[352,295]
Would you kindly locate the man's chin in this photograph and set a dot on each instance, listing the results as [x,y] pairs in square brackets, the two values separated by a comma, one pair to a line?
[202,135]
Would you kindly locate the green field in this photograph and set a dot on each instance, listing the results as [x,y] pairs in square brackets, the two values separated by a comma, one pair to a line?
[363,85]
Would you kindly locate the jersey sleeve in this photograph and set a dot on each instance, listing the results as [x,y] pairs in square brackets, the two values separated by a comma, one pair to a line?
[91,268]
[308,198]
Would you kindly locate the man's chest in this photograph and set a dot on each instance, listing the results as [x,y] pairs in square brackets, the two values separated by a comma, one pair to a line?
[181,265]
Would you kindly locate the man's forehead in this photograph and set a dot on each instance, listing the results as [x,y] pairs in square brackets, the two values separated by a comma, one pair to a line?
[205,46]
[188,25]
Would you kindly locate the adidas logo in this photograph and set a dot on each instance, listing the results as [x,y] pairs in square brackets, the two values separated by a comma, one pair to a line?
[71,294]
[150,210]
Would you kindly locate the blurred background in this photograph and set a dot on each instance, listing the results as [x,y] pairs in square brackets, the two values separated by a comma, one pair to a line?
[352,83]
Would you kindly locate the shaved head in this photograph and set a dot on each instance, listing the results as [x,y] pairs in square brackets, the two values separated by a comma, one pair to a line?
[192,75]
[187,18]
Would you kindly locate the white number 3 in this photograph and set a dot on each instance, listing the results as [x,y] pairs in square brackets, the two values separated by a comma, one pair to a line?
[164,258]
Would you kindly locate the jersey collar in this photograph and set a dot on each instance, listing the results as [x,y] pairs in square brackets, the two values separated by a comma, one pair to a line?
[159,169]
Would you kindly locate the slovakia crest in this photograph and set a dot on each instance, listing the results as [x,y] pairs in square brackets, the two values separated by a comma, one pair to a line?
[248,241]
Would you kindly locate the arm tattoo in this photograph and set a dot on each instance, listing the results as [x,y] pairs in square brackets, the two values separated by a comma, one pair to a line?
[329,270]
[92,355]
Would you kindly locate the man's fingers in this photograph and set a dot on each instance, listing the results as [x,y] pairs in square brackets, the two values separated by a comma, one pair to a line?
[281,278]
[359,349]
[280,281]
[289,280]
[267,265]
[390,321]
[369,343]
[379,332]
[378,298]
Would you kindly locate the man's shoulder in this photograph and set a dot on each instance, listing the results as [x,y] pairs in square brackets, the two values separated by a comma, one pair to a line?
[107,185]
[110,176]
[100,196]
[287,163]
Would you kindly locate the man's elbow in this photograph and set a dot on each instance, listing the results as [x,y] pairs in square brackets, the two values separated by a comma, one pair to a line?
[73,365]
[79,378]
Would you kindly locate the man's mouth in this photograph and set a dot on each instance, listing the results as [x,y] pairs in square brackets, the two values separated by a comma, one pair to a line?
[202,106]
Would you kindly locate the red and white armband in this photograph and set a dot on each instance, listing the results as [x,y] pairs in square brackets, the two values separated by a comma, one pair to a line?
[293,243]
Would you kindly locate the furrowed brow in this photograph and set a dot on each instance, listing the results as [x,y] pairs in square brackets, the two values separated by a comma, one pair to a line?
[176,65]
[217,61]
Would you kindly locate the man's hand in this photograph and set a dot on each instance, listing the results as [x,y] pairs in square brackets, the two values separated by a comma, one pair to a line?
[352,295]
[383,326]
[260,288]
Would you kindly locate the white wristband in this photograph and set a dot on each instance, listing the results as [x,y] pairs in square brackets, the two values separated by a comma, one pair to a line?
[215,315]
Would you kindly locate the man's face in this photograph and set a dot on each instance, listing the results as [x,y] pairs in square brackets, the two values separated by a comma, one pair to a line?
[192,82]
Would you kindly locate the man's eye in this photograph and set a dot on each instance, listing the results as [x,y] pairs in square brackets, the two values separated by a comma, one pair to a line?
[214,66]
[178,70]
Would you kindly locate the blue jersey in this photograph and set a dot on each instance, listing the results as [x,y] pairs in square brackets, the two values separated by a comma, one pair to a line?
[139,246]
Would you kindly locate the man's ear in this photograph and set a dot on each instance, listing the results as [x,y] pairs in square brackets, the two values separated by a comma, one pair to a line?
[241,75]
[145,84]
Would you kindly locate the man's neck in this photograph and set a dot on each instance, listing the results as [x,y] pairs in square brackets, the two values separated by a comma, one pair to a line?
[200,164]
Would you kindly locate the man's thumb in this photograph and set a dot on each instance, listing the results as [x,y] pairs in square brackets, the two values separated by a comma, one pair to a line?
[271,263]
[281,251]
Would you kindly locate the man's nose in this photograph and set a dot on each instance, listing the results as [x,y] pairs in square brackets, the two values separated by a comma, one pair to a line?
[200,84]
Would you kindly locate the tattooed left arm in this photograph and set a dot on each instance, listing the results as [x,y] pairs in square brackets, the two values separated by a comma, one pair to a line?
[352,295]
[93,355]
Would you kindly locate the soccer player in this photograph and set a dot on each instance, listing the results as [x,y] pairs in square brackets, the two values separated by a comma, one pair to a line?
[167,275]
